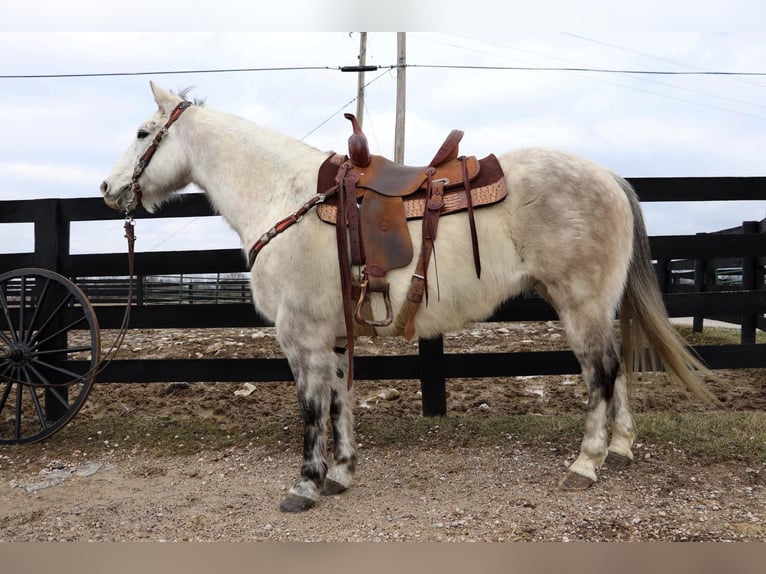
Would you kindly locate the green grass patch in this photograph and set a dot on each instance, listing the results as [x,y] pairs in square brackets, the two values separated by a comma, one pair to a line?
[711,436]
[157,435]
[716,436]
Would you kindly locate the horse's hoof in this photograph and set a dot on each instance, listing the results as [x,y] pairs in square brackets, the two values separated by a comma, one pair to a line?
[293,503]
[332,487]
[617,461]
[573,482]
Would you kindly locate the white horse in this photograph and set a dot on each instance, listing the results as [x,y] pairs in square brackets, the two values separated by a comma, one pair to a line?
[568,229]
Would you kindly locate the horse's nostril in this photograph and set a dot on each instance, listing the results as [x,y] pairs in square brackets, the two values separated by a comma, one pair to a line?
[104,187]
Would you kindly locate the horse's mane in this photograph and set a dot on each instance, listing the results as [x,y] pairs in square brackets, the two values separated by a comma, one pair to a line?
[183,93]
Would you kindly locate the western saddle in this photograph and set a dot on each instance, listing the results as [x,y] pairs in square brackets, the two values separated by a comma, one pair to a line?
[371,202]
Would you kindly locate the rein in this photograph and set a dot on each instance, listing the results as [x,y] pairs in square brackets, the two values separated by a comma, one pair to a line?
[285,223]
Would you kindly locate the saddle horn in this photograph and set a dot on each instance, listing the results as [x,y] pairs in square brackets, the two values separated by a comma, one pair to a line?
[358,149]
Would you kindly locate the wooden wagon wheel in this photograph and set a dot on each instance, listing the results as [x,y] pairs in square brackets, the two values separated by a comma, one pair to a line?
[49,351]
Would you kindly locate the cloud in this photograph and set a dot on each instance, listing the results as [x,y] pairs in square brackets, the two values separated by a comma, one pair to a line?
[48,173]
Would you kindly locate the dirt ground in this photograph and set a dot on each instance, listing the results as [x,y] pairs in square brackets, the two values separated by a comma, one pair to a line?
[502,489]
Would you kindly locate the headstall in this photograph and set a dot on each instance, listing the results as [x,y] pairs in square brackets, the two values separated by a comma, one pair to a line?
[143,161]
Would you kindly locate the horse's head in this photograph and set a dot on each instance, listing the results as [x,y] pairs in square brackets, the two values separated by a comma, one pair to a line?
[154,166]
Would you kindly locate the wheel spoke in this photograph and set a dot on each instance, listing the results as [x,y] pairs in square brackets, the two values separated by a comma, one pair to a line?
[38,306]
[36,403]
[58,308]
[51,389]
[4,304]
[57,368]
[6,391]
[66,350]
[59,332]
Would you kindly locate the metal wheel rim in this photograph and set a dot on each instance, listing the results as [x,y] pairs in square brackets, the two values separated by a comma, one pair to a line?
[38,309]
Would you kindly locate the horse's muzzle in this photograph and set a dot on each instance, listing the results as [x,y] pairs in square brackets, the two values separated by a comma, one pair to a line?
[121,200]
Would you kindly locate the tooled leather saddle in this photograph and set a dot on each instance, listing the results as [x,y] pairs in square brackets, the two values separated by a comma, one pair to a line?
[371,202]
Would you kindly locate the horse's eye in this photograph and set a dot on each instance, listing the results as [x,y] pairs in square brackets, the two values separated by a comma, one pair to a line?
[142,134]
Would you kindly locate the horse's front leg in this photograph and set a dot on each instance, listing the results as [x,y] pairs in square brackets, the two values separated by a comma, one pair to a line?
[313,364]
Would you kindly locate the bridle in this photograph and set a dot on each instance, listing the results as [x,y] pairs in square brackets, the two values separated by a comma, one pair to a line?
[135,188]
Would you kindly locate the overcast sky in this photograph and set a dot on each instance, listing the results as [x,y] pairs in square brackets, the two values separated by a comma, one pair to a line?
[62,135]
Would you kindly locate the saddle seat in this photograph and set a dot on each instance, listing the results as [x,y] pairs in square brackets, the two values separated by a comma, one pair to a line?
[396,180]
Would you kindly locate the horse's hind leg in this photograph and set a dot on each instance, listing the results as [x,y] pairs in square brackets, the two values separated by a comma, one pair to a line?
[341,473]
[594,343]
[620,453]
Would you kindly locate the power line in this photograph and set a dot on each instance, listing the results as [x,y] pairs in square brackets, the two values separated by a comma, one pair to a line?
[589,70]
[161,72]
[390,67]
[631,50]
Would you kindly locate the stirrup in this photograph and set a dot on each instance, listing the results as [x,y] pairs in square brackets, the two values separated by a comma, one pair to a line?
[372,322]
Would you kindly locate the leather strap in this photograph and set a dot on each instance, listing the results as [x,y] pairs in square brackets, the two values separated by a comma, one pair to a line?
[471,220]
[349,178]
[419,283]
[345,267]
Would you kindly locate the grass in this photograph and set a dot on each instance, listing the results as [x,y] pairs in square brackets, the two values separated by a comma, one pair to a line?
[710,436]
[715,436]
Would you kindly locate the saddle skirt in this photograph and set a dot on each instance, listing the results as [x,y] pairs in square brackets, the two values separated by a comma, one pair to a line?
[487,189]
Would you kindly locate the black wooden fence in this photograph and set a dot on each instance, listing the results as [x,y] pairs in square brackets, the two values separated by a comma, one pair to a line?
[724,274]
[745,302]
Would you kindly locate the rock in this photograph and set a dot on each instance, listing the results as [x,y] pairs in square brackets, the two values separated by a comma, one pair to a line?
[389,394]
[384,395]
[52,478]
[246,390]
[215,347]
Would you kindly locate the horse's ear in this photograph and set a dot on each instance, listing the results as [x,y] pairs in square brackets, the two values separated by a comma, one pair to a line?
[166,101]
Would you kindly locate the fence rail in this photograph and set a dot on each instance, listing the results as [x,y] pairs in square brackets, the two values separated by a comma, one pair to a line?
[157,306]
[171,289]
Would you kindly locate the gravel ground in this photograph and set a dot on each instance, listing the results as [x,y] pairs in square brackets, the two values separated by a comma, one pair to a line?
[437,490]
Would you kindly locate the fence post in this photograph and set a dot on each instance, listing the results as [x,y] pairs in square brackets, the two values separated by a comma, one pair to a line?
[662,271]
[433,386]
[51,247]
[700,280]
[749,283]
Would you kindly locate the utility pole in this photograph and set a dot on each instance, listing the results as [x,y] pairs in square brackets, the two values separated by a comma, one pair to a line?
[401,77]
[360,80]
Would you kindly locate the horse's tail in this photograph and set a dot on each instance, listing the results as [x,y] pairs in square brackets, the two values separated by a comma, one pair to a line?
[648,338]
